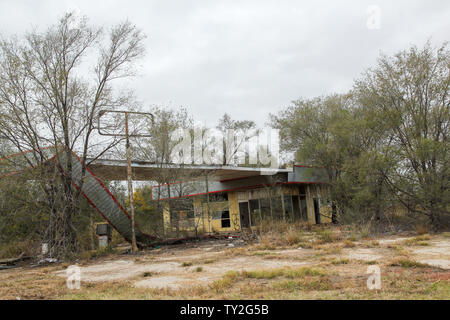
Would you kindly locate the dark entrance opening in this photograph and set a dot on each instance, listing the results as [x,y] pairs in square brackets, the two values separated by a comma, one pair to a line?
[244,214]
[296,208]
[255,214]
[226,223]
[303,208]
[317,210]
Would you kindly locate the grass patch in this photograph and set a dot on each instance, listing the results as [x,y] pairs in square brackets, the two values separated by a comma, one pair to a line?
[198,269]
[266,244]
[227,281]
[262,253]
[285,272]
[339,261]
[234,252]
[418,241]
[325,235]
[374,243]
[293,237]
[439,287]
[423,243]
[305,245]
[100,252]
[423,237]
[232,277]
[208,261]
[186,264]
[321,284]
[349,244]
[405,263]
[147,274]
[398,248]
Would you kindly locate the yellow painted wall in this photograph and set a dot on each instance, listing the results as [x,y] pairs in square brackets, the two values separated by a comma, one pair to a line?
[204,221]
[234,211]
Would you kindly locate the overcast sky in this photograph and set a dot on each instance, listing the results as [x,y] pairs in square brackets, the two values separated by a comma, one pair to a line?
[249,58]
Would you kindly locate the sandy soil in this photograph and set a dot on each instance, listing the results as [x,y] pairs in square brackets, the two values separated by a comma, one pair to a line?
[163,268]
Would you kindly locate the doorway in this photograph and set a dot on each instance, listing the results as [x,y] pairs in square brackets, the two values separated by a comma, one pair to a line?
[244,214]
[296,208]
[317,210]
[303,208]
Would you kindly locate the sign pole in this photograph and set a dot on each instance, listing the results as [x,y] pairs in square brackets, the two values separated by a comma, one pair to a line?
[134,246]
[130,186]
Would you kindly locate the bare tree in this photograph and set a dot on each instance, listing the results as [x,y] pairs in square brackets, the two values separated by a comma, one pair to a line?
[242,131]
[53,85]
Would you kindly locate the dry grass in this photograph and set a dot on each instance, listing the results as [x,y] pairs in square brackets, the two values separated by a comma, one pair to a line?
[282,272]
[418,241]
[410,282]
[329,275]
[339,261]
[406,263]
[349,244]
[279,234]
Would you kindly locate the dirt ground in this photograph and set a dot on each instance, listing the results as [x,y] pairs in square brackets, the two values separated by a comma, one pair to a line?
[411,267]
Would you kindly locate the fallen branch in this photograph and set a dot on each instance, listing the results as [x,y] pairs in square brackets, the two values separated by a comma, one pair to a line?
[12,261]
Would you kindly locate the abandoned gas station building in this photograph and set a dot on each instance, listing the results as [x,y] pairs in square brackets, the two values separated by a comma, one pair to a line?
[237,198]
[210,199]
[226,198]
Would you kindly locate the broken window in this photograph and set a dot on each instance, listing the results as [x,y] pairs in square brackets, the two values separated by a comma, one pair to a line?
[302,190]
[217,197]
[255,215]
[226,222]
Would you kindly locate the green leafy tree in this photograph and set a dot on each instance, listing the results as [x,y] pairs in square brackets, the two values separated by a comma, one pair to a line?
[409,93]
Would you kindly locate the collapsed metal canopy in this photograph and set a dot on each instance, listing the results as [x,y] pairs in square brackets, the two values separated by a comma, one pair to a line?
[109,170]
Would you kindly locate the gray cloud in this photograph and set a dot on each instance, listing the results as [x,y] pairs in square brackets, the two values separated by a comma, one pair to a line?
[248,58]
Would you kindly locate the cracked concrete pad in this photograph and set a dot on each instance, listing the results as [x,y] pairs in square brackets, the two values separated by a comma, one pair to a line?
[185,277]
[437,254]
[363,254]
[391,241]
[171,282]
[437,247]
[440,263]
[120,270]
